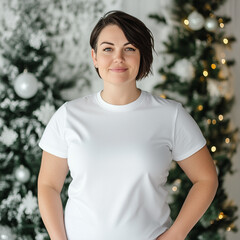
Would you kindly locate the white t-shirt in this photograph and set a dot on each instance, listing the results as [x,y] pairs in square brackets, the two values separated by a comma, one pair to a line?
[119,157]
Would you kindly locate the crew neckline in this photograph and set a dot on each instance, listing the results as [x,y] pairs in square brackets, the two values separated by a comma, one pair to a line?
[119,108]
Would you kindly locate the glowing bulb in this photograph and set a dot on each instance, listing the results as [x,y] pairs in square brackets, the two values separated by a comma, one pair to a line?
[186,22]
[214,121]
[163,96]
[225,41]
[229,229]
[205,73]
[220,20]
[174,188]
[223,61]
[209,121]
[200,107]
[213,66]
[220,117]
[221,25]
[213,149]
[221,215]
[227,140]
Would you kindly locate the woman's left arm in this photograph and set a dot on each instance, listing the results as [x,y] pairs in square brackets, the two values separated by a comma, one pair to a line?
[201,170]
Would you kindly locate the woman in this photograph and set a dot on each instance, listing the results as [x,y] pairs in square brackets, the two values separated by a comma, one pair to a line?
[119,144]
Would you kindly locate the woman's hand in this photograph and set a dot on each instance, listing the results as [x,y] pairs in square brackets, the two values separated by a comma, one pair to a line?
[168,235]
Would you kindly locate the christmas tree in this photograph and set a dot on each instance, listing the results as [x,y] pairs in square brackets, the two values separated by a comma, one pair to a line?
[196,73]
[40,45]
[29,95]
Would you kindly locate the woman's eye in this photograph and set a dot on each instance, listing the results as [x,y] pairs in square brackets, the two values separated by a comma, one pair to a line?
[130,49]
[107,49]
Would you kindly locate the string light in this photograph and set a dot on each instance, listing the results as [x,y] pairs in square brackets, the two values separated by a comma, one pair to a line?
[221,25]
[221,216]
[223,60]
[163,96]
[229,229]
[200,107]
[209,121]
[214,121]
[186,22]
[174,188]
[205,73]
[225,41]
[227,140]
[220,117]
[213,149]
[213,66]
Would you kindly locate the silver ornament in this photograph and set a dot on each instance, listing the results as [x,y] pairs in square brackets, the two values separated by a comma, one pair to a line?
[26,85]
[211,24]
[22,174]
[196,21]
[6,233]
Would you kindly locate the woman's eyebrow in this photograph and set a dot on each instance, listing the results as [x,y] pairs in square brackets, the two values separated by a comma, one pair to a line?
[113,43]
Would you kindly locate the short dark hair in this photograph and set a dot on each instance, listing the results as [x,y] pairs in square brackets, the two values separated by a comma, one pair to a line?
[136,33]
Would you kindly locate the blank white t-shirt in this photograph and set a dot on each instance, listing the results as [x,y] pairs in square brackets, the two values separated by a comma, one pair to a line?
[119,158]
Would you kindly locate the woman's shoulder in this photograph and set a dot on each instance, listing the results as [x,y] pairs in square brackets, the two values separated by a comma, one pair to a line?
[160,101]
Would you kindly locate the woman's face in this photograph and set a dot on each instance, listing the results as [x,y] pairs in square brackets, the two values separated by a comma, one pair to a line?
[117,60]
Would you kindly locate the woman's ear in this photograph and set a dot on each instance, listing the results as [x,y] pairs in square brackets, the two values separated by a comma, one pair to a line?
[94,57]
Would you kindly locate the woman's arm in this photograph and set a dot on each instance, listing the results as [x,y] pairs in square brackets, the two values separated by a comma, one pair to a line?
[51,178]
[201,170]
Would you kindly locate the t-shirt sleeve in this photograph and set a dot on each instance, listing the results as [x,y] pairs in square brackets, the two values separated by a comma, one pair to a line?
[53,139]
[187,136]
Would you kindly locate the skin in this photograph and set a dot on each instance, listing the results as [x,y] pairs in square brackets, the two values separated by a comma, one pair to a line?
[118,62]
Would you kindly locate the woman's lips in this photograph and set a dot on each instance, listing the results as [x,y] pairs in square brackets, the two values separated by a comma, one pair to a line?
[118,70]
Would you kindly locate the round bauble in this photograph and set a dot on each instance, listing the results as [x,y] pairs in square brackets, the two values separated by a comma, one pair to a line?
[22,174]
[6,233]
[26,85]
[196,21]
[211,24]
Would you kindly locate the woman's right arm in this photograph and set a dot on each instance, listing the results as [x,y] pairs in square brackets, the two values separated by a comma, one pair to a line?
[51,178]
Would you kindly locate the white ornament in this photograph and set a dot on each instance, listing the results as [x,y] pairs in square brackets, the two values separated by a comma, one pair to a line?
[26,85]
[8,136]
[22,174]
[196,21]
[213,88]
[6,233]
[211,24]
[184,69]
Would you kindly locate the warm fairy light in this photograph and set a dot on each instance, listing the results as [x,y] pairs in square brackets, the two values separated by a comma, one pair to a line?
[163,96]
[229,229]
[213,66]
[221,215]
[174,188]
[214,121]
[227,140]
[205,73]
[213,149]
[209,121]
[220,20]
[223,60]
[225,41]
[220,117]
[186,22]
[200,107]
[221,25]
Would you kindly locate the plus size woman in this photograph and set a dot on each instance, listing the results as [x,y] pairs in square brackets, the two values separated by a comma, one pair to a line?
[118,145]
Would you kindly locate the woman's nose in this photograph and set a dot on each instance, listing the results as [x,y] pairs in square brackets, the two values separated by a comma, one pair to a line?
[119,56]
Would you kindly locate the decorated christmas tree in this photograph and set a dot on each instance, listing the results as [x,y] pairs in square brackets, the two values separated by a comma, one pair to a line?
[29,95]
[196,72]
